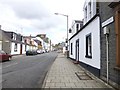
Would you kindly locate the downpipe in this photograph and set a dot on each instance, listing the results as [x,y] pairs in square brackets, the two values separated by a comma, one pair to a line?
[107,57]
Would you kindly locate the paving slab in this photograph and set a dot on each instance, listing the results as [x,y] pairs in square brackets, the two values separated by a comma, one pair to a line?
[62,75]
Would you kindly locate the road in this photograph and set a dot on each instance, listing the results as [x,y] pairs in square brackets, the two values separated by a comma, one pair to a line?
[26,71]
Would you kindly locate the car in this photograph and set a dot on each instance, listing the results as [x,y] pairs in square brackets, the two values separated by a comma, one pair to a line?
[31,52]
[4,56]
[39,51]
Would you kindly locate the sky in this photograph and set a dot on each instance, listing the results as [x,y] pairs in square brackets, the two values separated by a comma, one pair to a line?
[32,17]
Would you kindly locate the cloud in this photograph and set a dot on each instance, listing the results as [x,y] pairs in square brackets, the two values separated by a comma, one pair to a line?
[37,16]
[27,9]
[33,13]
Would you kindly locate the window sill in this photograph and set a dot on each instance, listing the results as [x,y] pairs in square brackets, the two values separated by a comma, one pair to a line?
[117,68]
[88,56]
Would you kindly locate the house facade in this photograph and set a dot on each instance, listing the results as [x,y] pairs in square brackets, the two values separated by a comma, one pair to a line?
[110,42]
[75,27]
[85,44]
[15,43]
[4,42]
[30,43]
[96,46]
[0,38]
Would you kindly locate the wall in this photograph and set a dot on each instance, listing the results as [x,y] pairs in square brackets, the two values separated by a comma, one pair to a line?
[27,47]
[114,75]
[12,48]
[93,10]
[94,29]
[6,46]
[0,45]
[0,38]
[23,49]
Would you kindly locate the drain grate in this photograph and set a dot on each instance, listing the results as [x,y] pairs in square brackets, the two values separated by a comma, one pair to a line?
[83,76]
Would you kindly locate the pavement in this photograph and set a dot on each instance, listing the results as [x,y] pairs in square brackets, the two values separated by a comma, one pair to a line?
[65,74]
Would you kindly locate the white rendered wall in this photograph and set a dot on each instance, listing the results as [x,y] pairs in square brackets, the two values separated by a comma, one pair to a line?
[23,49]
[93,10]
[94,29]
[28,48]
[12,48]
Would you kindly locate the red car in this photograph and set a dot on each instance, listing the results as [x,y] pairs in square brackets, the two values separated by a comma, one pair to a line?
[4,56]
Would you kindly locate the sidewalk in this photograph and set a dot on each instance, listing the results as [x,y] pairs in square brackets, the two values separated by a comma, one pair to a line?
[64,74]
[19,55]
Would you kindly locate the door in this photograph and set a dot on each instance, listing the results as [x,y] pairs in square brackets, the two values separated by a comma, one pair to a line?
[77,50]
[21,49]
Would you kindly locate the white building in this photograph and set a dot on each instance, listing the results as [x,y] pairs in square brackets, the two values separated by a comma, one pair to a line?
[85,44]
[76,25]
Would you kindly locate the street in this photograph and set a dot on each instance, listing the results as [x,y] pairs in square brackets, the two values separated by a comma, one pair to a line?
[26,71]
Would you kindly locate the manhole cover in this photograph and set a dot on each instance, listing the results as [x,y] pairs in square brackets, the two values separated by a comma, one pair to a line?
[83,76]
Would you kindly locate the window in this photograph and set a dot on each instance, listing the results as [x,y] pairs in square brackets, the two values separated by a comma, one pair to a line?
[15,47]
[77,27]
[66,48]
[88,46]
[2,52]
[14,36]
[70,30]
[89,9]
[25,47]
[71,48]
[86,13]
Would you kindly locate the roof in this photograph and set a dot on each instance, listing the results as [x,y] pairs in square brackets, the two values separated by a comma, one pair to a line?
[113,4]
[85,25]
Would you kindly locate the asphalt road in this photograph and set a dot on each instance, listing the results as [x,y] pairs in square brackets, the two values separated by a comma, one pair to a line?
[26,71]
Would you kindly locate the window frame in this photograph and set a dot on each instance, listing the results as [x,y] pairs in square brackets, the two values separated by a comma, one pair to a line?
[88,46]
[90,9]
[15,47]
[86,13]
[77,27]
[71,48]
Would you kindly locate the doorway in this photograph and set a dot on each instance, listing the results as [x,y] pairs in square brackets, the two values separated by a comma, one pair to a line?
[21,49]
[77,50]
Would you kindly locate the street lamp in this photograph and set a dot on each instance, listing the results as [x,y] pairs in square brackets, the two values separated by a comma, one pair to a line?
[67,29]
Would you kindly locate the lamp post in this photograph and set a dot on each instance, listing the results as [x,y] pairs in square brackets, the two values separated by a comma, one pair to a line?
[67,29]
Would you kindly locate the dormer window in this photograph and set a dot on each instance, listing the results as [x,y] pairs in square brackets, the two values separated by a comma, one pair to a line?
[14,36]
[86,13]
[89,5]
[77,27]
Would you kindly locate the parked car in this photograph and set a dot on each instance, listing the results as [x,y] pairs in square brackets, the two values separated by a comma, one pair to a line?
[46,51]
[43,51]
[39,51]
[31,52]
[4,56]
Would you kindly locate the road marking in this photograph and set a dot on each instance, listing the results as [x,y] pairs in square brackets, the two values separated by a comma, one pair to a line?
[10,65]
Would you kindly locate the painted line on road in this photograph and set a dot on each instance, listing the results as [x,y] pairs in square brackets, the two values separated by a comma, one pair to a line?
[10,65]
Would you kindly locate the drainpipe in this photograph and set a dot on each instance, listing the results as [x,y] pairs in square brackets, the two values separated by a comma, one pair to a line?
[107,56]
[106,32]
